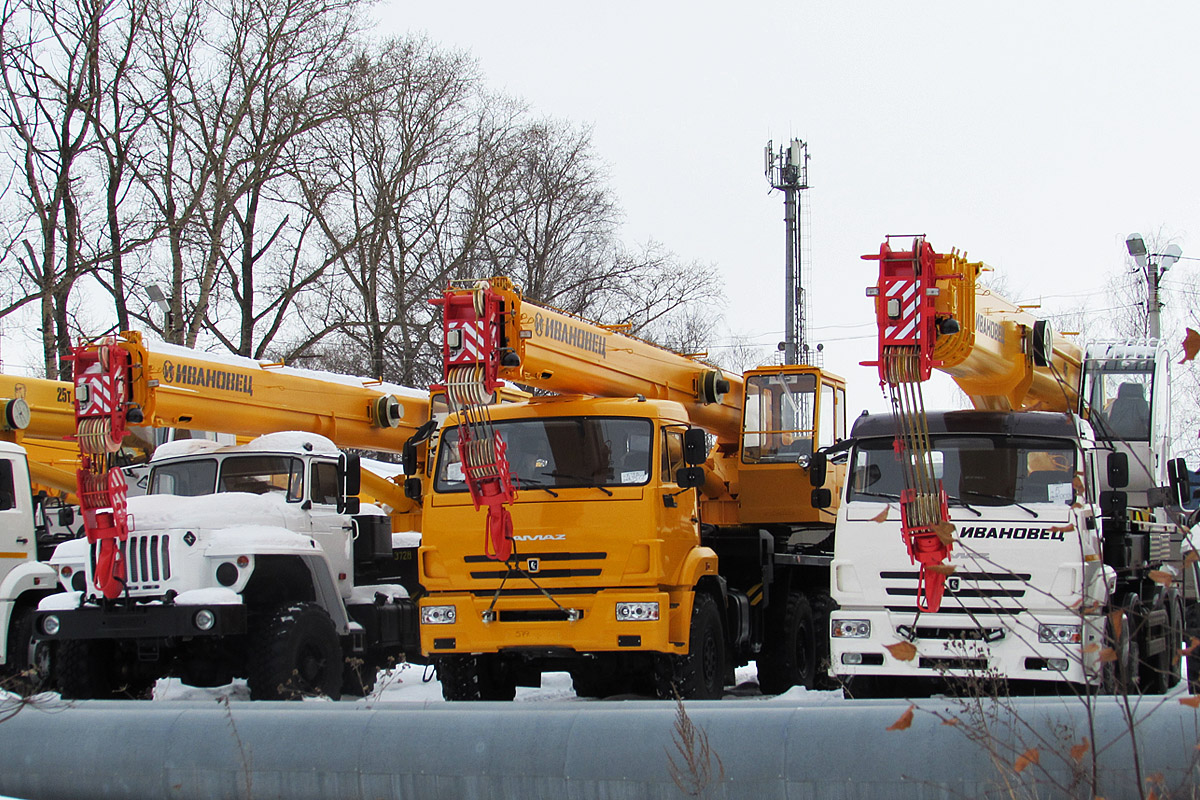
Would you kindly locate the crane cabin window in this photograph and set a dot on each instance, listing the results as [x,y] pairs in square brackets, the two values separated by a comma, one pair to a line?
[561,453]
[1119,395]
[191,478]
[975,470]
[777,425]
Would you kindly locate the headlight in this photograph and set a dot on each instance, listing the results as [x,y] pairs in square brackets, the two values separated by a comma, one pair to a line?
[1060,634]
[204,619]
[437,615]
[51,624]
[850,628]
[637,612]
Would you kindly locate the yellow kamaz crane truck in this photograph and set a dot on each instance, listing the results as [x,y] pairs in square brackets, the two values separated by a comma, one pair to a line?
[597,554]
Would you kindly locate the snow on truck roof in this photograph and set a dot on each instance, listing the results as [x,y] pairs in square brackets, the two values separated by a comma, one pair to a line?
[281,442]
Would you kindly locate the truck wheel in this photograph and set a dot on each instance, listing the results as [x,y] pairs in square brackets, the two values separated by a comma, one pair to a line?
[29,662]
[295,653]
[84,669]
[1120,675]
[358,677]
[475,678]
[1175,642]
[1152,669]
[789,658]
[699,675]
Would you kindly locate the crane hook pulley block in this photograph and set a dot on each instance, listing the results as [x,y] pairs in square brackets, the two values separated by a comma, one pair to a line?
[101,396]
[473,344]
[473,333]
[927,547]
[904,302]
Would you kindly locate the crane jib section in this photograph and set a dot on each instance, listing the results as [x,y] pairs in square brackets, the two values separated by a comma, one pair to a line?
[101,395]
[907,326]
[473,326]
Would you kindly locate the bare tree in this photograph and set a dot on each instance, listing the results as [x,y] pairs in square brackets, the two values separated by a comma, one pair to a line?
[398,193]
[554,230]
[49,50]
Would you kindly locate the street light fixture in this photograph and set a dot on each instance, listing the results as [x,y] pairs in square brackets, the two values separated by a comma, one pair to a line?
[1154,266]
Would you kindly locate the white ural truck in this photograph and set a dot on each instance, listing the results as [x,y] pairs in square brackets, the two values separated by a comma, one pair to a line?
[24,580]
[246,561]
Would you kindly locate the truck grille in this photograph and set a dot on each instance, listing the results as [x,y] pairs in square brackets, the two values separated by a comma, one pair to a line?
[147,560]
[966,592]
[535,567]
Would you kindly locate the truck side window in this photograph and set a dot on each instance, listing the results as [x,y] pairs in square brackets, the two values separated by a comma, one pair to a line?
[672,457]
[8,492]
[324,483]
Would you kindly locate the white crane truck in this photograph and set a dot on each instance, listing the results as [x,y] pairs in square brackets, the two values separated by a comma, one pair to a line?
[249,560]
[1035,538]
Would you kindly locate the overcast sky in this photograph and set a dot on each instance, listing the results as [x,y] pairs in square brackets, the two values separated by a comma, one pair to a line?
[1035,136]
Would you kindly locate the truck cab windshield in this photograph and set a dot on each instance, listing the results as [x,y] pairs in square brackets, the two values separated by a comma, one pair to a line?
[977,470]
[256,474]
[561,453]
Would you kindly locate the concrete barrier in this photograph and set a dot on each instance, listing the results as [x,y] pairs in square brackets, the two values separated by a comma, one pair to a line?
[610,750]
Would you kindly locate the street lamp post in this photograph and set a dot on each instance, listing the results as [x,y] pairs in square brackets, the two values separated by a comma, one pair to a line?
[1153,266]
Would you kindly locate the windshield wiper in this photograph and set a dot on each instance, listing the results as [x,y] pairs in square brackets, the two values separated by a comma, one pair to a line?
[584,483]
[536,485]
[1007,500]
[958,501]
[883,495]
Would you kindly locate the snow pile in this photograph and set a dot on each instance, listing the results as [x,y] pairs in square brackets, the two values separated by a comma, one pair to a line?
[402,539]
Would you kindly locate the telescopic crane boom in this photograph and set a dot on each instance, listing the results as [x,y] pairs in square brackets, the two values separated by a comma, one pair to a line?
[122,381]
[932,313]
[492,334]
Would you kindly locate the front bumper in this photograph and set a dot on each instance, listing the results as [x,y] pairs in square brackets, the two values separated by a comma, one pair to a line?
[534,623]
[140,622]
[987,646]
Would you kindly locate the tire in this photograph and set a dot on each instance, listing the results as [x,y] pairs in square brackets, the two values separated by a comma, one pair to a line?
[1175,642]
[1120,676]
[30,664]
[88,669]
[358,677]
[789,658]
[700,674]
[473,678]
[1152,669]
[295,653]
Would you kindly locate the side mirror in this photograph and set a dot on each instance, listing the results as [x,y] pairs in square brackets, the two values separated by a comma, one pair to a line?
[695,446]
[412,489]
[1181,480]
[817,467]
[1118,470]
[822,498]
[690,477]
[1113,504]
[351,506]
[66,516]
[408,458]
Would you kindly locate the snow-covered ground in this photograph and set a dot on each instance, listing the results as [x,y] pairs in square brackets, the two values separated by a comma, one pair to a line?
[412,683]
